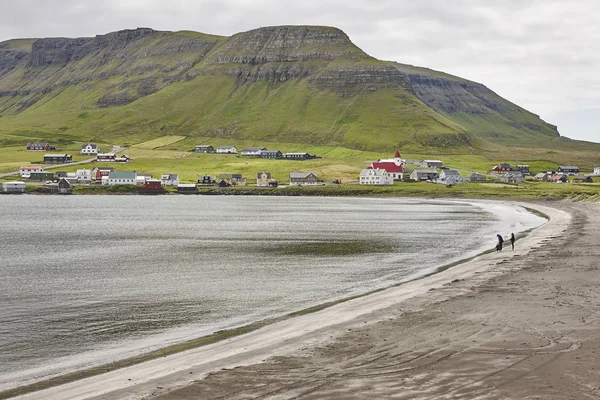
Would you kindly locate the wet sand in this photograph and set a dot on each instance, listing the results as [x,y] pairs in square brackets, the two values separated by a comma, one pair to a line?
[507,325]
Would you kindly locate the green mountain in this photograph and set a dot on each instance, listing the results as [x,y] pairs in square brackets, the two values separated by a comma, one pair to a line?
[296,84]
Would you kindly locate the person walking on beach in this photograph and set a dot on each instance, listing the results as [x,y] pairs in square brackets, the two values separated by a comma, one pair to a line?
[512,240]
[500,241]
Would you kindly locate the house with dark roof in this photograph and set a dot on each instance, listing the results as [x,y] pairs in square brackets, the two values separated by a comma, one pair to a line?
[263,179]
[89,148]
[58,158]
[233,179]
[40,146]
[298,156]
[568,169]
[207,180]
[169,179]
[513,177]
[502,168]
[64,186]
[276,154]
[303,179]
[207,148]
[450,176]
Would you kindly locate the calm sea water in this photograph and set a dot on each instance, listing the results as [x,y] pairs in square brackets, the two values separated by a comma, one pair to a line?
[90,279]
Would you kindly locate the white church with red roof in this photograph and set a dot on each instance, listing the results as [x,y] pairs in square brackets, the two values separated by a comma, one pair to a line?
[394,167]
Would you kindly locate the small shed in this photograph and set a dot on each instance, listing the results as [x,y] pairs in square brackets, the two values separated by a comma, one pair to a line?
[64,186]
[475,177]
[13,187]
[187,188]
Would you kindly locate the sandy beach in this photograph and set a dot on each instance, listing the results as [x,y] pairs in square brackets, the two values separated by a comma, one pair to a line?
[508,325]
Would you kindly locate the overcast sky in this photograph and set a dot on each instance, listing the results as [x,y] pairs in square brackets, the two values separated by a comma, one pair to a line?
[540,54]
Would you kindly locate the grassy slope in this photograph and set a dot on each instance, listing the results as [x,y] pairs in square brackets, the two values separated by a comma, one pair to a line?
[214,108]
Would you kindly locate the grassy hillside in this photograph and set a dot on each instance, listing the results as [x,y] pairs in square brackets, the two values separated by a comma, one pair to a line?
[277,86]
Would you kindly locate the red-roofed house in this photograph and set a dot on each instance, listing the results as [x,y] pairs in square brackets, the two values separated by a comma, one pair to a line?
[394,167]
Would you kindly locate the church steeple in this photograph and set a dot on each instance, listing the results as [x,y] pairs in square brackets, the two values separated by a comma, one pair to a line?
[397,158]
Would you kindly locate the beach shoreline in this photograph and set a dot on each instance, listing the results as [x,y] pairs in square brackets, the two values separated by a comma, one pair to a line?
[287,338]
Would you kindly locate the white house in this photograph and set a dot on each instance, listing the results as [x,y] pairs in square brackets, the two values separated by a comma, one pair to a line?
[253,151]
[226,150]
[431,164]
[597,171]
[13,187]
[169,179]
[375,177]
[106,157]
[121,178]
[263,178]
[423,174]
[83,175]
[142,178]
[450,177]
[89,148]
[25,171]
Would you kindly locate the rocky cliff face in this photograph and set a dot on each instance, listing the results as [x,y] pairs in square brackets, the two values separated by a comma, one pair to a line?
[453,96]
[122,67]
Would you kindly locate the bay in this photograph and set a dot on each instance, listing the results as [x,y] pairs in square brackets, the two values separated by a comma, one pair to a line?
[86,280]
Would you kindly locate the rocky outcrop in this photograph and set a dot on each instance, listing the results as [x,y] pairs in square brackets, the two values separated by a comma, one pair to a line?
[57,51]
[286,44]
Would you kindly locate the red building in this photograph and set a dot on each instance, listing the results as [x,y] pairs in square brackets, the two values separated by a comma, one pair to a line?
[152,186]
[98,173]
[394,167]
[502,168]
[40,146]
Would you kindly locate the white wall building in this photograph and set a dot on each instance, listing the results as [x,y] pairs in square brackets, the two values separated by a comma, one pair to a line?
[169,179]
[450,177]
[121,178]
[89,148]
[226,150]
[83,175]
[26,170]
[375,177]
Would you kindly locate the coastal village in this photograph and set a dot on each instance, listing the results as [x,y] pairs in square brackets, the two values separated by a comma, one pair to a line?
[380,172]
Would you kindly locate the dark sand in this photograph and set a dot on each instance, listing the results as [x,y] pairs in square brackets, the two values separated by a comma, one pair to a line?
[532,332]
